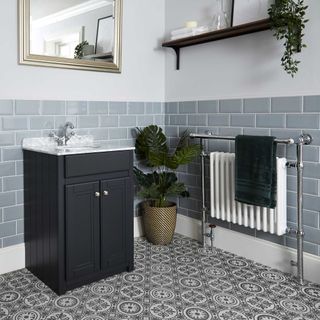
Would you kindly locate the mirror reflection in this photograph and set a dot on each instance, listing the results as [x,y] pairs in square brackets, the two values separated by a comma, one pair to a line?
[73,29]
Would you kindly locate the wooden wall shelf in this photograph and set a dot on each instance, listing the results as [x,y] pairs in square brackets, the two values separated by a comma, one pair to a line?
[231,32]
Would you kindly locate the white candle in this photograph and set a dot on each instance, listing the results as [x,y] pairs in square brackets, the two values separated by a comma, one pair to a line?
[191,24]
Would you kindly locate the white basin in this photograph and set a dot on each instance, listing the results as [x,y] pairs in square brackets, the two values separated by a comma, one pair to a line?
[80,148]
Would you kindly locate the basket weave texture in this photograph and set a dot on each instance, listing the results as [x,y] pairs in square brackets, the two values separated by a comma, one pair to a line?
[159,223]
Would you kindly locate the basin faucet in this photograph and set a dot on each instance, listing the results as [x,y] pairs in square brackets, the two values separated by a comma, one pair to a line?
[67,135]
[57,139]
[64,135]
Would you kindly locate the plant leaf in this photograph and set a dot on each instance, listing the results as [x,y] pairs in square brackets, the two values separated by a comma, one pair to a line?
[183,140]
[186,155]
[176,189]
[143,179]
[150,140]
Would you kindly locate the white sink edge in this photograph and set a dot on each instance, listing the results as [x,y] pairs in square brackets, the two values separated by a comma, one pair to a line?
[54,151]
[48,146]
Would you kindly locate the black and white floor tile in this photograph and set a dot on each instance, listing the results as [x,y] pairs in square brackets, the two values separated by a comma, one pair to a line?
[180,281]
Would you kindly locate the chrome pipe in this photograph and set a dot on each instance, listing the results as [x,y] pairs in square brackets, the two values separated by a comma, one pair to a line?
[300,232]
[203,188]
[215,137]
[304,139]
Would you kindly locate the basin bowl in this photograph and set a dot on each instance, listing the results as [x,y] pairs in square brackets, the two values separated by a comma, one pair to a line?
[76,148]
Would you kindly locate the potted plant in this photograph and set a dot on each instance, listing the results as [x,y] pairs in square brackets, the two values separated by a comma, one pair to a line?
[288,22]
[161,182]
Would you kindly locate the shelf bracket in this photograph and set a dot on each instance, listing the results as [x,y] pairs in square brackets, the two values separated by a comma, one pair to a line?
[177,51]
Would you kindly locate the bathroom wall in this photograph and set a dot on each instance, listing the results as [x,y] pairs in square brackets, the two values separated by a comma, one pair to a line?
[35,100]
[142,77]
[226,86]
[281,117]
[106,121]
[114,121]
[241,67]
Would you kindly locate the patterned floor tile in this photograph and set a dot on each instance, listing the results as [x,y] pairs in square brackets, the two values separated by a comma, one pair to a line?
[181,281]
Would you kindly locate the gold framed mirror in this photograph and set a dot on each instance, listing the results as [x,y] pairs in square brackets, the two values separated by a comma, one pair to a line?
[73,34]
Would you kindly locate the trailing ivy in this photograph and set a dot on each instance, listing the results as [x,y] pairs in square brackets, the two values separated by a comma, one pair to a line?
[288,22]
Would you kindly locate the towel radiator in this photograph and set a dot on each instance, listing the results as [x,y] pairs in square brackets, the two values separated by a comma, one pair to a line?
[223,205]
[300,141]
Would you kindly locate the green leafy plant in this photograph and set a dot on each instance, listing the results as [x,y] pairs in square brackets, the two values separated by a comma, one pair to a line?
[78,51]
[288,22]
[153,151]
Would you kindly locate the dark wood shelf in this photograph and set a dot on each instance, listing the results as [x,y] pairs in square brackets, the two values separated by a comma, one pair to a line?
[231,32]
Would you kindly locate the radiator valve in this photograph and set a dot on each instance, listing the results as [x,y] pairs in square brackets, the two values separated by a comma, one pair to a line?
[211,234]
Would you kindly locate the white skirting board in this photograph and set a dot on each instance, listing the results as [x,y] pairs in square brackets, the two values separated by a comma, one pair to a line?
[138,229]
[13,258]
[261,251]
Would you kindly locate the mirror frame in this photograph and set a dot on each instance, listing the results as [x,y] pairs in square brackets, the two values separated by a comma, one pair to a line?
[27,58]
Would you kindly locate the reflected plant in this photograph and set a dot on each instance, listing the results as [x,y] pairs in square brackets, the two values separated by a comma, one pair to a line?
[78,51]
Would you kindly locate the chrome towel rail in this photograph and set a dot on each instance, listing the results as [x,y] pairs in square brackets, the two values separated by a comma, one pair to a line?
[300,141]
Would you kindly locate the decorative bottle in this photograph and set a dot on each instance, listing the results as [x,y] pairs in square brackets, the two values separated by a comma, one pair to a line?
[220,20]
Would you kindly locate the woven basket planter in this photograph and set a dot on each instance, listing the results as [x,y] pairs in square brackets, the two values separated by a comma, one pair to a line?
[159,223]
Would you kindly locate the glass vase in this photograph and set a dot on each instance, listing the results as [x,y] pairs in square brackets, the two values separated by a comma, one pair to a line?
[220,20]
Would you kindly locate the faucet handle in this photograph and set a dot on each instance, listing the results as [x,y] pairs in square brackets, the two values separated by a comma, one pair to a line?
[69,125]
[52,134]
[56,138]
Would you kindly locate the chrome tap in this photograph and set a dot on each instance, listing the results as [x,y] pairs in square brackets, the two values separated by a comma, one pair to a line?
[59,140]
[63,136]
[67,135]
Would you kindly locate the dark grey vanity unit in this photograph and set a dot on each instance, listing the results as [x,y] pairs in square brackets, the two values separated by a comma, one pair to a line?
[78,216]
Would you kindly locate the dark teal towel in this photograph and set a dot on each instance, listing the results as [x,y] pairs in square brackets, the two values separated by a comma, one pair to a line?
[256,170]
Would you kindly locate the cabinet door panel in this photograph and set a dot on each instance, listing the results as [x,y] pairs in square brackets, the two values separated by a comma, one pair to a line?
[113,222]
[82,230]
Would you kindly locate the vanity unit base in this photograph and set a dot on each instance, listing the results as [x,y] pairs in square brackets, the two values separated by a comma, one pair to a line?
[78,217]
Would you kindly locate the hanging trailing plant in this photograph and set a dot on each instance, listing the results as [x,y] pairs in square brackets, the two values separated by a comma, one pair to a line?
[288,22]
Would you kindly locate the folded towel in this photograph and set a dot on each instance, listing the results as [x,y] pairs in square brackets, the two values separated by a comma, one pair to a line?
[256,170]
[180,31]
[181,36]
[188,32]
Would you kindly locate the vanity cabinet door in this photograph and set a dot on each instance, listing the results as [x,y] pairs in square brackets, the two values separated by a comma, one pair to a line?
[82,230]
[114,222]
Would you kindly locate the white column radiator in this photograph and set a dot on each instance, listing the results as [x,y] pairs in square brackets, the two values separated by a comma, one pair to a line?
[224,207]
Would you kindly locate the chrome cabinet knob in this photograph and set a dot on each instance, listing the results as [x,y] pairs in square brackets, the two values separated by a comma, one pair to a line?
[97,194]
[105,193]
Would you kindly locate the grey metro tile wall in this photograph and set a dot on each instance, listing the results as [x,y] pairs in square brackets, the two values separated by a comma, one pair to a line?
[53,107]
[282,117]
[108,121]
[114,121]
[257,105]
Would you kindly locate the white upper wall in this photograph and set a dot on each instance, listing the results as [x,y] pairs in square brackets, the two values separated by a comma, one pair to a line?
[143,69]
[246,66]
